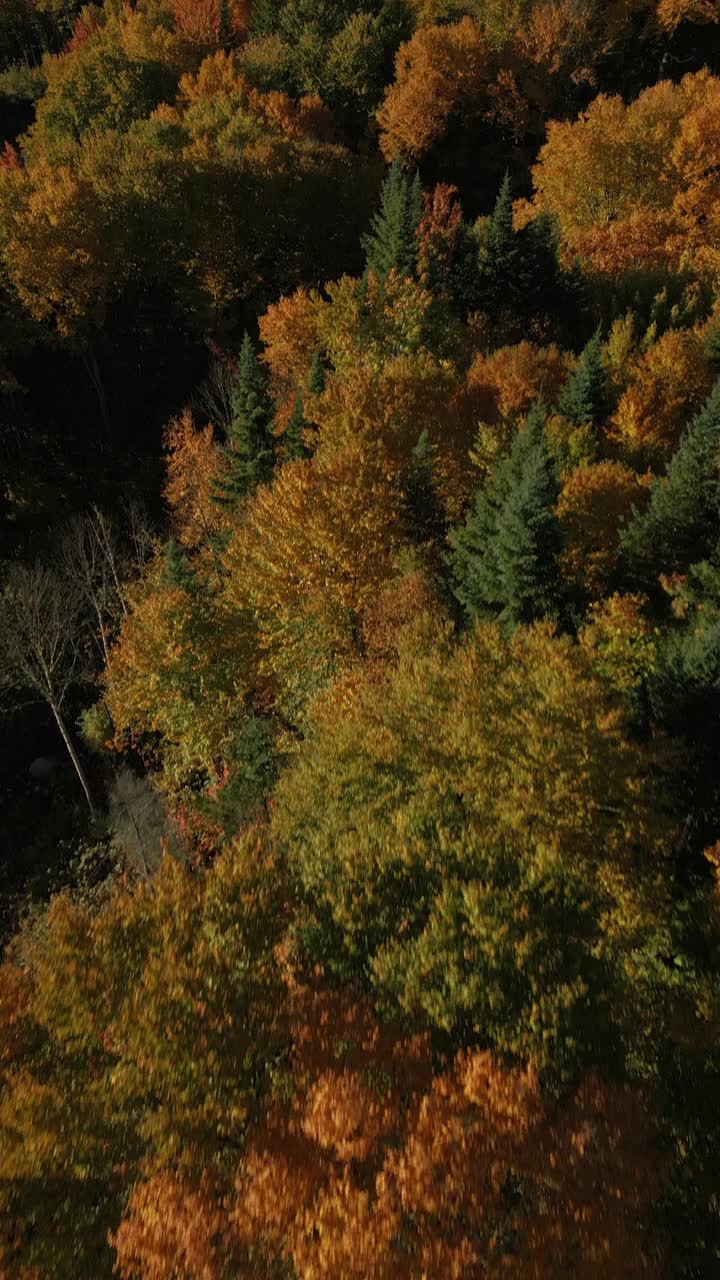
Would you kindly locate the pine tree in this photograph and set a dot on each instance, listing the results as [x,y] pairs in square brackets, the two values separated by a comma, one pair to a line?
[265,16]
[295,448]
[251,446]
[504,559]
[681,526]
[391,242]
[422,508]
[177,571]
[712,347]
[500,258]
[585,397]
[316,376]
[225,30]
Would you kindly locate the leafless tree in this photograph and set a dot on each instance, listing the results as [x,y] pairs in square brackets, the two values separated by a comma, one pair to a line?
[84,562]
[213,399]
[139,822]
[41,650]
[99,563]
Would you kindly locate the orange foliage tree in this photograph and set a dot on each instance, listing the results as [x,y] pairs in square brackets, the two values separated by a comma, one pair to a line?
[376,1171]
[668,383]
[594,503]
[308,558]
[441,71]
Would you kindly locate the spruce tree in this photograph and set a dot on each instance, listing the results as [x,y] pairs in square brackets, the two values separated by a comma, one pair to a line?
[251,446]
[422,508]
[391,242]
[295,448]
[500,258]
[712,347]
[504,559]
[177,571]
[681,526]
[316,376]
[585,398]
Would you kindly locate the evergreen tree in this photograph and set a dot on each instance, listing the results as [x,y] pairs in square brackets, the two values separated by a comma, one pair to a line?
[500,256]
[712,347]
[391,242]
[251,446]
[585,398]
[225,31]
[265,16]
[423,510]
[253,772]
[177,571]
[504,559]
[316,376]
[295,448]
[681,526]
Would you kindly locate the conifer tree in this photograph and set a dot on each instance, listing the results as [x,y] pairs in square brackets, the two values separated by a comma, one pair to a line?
[585,397]
[422,507]
[712,347]
[500,259]
[316,376]
[295,448]
[177,570]
[681,525]
[391,242]
[251,445]
[504,559]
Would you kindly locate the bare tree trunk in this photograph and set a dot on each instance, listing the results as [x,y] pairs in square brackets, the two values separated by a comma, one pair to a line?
[73,755]
[92,368]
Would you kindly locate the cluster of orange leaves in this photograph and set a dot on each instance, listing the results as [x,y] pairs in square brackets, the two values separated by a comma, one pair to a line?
[374,1169]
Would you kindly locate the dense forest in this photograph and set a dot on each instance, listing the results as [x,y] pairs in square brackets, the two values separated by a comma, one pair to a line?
[359,639]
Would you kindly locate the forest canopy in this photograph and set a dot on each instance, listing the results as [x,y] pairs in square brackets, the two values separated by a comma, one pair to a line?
[359,639]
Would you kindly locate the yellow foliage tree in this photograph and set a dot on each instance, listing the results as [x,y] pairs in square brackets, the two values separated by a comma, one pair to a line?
[308,559]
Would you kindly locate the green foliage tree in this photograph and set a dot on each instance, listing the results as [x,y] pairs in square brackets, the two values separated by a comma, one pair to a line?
[682,522]
[585,397]
[422,507]
[178,572]
[391,242]
[295,448]
[504,559]
[251,446]
[492,887]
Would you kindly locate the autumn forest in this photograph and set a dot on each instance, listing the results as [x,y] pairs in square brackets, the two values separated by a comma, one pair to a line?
[359,639]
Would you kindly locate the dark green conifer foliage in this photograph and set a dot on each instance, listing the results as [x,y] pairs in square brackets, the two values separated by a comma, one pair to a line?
[265,16]
[422,507]
[504,561]
[712,347]
[681,526]
[500,258]
[585,397]
[177,570]
[391,242]
[316,376]
[224,24]
[295,448]
[253,772]
[251,446]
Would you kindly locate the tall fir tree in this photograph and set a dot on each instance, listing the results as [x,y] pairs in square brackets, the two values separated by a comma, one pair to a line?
[422,507]
[504,560]
[250,451]
[391,242]
[500,255]
[295,448]
[712,347]
[177,572]
[585,398]
[681,525]
[316,376]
